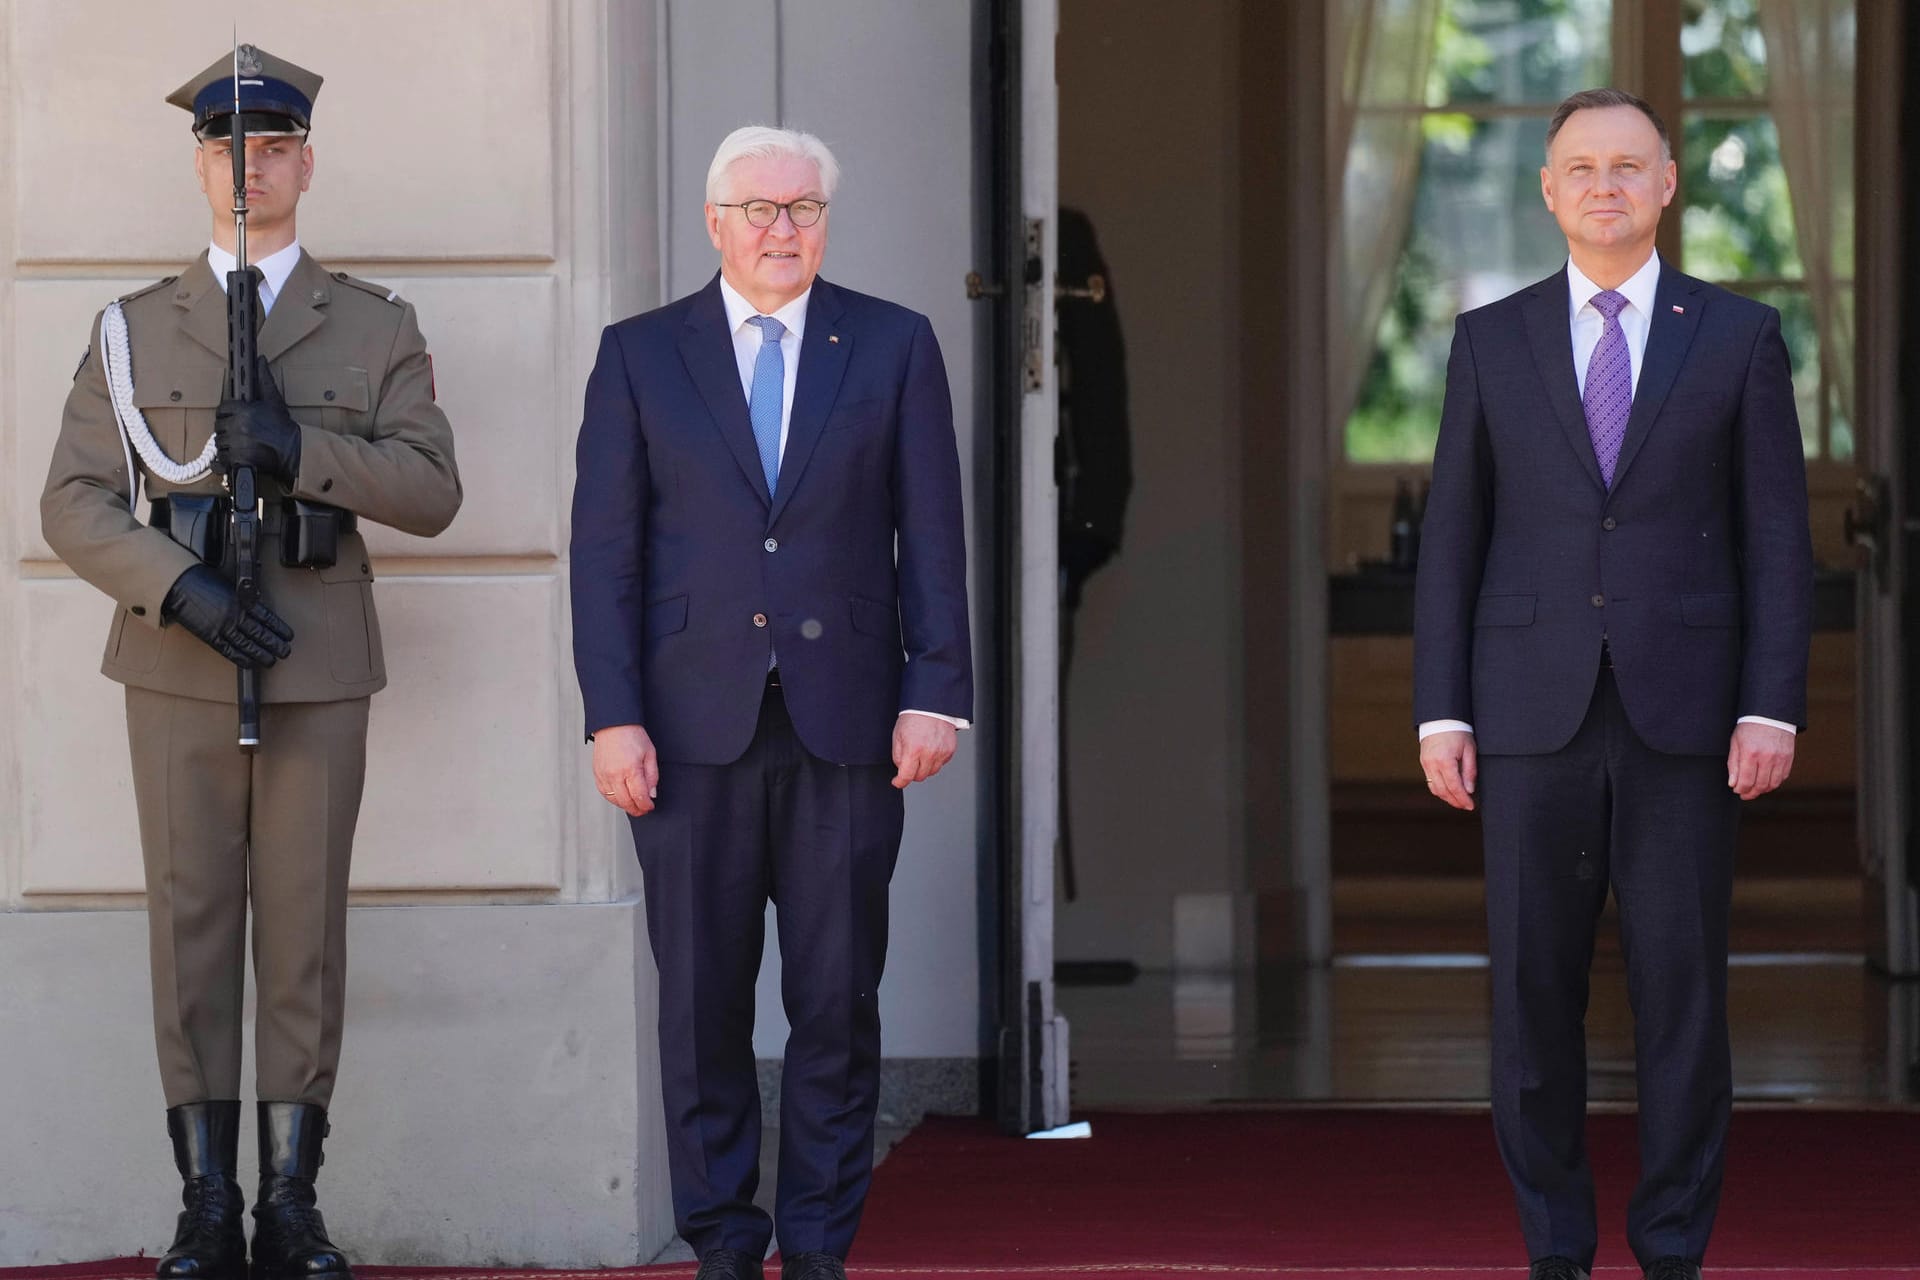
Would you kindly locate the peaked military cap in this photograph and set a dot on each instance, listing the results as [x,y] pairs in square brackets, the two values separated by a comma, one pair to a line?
[276,97]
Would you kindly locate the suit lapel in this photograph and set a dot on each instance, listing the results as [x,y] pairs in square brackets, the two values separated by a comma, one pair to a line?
[706,347]
[1676,315]
[296,311]
[823,360]
[1550,334]
[203,307]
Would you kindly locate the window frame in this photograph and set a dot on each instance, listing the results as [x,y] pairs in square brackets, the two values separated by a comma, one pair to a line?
[1646,60]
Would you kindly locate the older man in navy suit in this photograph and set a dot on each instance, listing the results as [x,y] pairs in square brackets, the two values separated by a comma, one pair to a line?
[770,630]
[1611,633]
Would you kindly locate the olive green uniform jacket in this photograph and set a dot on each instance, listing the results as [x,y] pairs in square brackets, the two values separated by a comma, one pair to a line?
[355,372]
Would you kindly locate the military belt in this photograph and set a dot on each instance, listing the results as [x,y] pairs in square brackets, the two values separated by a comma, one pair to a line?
[272,517]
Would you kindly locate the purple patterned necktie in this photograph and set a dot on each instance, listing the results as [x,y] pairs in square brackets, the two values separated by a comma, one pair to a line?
[1609,395]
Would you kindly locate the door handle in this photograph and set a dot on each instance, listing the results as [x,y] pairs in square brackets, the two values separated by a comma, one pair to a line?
[978,288]
[1094,290]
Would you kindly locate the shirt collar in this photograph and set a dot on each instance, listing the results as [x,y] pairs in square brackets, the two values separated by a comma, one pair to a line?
[1639,288]
[275,267]
[739,310]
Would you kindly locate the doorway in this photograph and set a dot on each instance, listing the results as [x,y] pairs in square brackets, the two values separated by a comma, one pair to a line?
[1254,902]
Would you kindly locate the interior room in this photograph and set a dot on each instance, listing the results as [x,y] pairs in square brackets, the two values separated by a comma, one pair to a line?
[1208,952]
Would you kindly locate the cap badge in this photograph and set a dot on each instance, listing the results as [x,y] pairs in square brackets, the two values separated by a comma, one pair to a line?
[248,61]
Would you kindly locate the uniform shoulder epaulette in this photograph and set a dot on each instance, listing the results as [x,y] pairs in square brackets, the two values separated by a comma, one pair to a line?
[367,286]
[144,290]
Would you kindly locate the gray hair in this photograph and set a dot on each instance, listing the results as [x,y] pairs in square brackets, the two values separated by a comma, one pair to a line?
[1595,99]
[764,142]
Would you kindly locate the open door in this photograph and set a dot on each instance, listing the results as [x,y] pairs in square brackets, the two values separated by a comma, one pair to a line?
[1882,523]
[1019,285]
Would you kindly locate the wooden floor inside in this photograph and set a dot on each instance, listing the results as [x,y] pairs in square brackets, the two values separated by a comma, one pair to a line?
[1402,1013]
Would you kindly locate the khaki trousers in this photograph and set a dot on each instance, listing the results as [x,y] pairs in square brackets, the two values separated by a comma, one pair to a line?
[219,827]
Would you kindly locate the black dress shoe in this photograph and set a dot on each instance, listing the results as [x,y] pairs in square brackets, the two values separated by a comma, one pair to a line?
[289,1235]
[1673,1268]
[1556,1268]
[728,1264]
[812,1266]
[208,1243]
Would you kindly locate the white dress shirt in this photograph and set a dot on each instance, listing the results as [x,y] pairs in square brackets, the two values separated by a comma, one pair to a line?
[746,350]
[1636,322]
[1636,318]
[746,345]
[275,268]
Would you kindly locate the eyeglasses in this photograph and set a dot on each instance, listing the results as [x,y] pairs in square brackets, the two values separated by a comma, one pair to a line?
[764,213]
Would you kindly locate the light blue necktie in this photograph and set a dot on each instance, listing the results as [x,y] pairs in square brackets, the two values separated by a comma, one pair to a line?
[769,387]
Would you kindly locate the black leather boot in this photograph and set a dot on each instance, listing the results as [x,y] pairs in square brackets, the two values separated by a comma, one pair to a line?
[208,1243]
[289,1238]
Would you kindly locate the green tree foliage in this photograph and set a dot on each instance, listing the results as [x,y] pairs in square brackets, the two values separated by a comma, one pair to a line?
[1735,208]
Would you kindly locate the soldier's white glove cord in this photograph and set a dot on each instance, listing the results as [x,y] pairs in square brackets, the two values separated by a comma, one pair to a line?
[117,363]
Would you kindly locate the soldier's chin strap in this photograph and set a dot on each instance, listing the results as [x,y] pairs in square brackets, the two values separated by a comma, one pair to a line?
[135,436]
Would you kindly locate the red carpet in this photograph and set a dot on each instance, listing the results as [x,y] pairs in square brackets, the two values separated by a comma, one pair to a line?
[1319,1195]
[1310,1193]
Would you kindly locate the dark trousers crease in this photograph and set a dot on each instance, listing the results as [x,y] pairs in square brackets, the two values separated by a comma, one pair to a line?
[1561,829]
[819,840]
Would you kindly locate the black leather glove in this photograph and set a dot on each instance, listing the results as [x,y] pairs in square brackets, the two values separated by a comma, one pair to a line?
[258,433]
[206,604]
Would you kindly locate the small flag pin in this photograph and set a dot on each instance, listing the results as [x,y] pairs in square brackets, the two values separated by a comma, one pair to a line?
[834,337]
[1679,310]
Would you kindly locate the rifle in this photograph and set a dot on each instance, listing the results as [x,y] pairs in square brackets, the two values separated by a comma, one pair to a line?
[243,326]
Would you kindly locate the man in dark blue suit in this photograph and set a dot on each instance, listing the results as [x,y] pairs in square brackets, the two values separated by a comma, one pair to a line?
[770,630]
[1612,623]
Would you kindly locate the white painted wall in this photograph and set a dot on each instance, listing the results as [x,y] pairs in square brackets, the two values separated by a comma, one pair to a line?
[1148,100]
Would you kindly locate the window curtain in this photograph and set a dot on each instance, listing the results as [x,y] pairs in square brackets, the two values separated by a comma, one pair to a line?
[1385,49]
[1810,72]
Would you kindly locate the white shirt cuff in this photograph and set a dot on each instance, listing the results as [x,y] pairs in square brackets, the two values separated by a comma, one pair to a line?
[1431,727]
[955,721]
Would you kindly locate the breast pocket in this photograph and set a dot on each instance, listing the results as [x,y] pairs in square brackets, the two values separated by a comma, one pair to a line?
[178,403]
[336,398]
[1695,406]
[860,413]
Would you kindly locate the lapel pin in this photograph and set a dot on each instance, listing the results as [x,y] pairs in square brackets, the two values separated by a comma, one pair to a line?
[833,337]
[1679,310]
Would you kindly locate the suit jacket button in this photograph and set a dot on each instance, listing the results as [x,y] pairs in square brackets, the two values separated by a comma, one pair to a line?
[1607,524]
[773,544]
[759,619]
[1599,602]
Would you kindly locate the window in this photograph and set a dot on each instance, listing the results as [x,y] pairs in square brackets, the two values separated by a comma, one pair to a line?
[1444,110]
[1766,123]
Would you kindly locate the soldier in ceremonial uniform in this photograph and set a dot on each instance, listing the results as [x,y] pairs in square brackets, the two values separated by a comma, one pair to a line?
[345,430]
